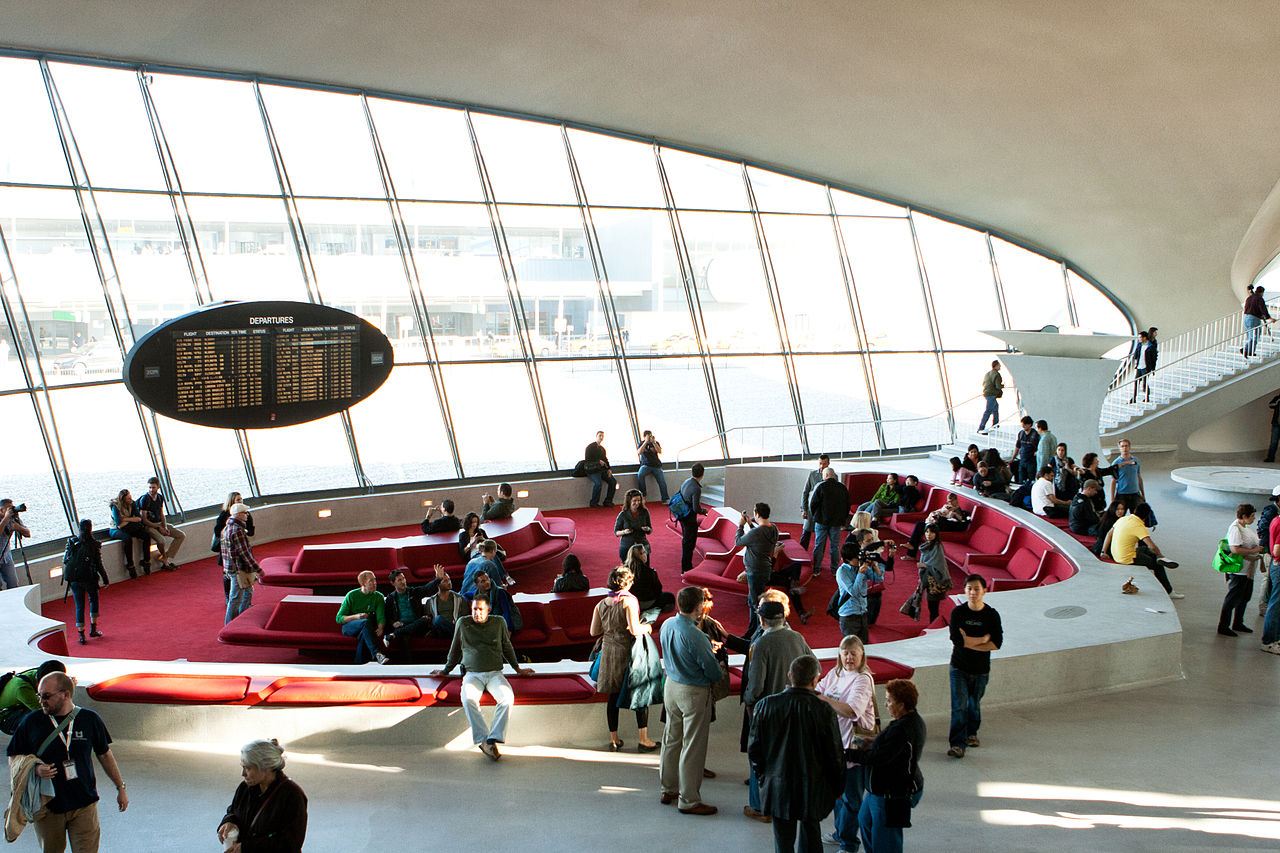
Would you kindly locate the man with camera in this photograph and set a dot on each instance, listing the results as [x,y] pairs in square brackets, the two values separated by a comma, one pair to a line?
[10,523]
[650,464]
[151,506]
[503,507]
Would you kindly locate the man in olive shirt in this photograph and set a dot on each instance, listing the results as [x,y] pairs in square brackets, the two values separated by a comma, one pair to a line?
[362,615]
[481,645]
[502,508]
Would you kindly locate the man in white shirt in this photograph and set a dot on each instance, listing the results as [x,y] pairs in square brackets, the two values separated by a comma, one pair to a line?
[1044,501]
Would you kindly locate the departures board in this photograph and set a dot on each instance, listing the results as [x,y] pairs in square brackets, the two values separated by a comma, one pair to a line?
[254,365]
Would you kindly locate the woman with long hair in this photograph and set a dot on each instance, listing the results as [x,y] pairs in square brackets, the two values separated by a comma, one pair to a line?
[616,621]
[850,690]
[633,525]
[82,570]
[647,586]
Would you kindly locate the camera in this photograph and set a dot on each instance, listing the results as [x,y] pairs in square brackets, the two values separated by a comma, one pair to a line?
[17,508]
[873,554]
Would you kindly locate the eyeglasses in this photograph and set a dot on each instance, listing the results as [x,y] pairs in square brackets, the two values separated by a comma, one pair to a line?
[44,697]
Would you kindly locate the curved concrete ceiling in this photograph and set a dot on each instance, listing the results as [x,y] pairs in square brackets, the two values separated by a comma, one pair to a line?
[1137,139]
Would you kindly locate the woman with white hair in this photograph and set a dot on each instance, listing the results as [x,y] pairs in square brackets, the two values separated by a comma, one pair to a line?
[269,810]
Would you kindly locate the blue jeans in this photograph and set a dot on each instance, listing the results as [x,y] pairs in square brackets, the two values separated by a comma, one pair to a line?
[441,627]
[966,705]
[8,571]
[848,805]
[1271,621]
[598,479]
[829,535]
[656,473]
[238,601]
[757,583]
[366,639]
[993,412]
[80,592]
[753,788]
[876,836]
[474,685]
[1252,327]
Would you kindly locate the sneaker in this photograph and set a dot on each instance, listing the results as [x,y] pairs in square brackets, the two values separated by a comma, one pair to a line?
[973,741]
[490,749]
[1272,648]
[1176,596]
[956,752]
[982,432]
[381,658]
[386,640]
[832,839]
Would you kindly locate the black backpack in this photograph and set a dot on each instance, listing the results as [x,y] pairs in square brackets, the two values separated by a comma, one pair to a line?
[75,563]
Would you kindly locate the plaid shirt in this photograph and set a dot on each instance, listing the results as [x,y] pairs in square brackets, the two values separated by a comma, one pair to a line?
[237,556]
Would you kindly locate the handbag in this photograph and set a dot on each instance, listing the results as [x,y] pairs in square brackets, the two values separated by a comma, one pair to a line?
[215,546]
[897,811]
[863,731]
[580,470]
[246,580]
[720,689]
[911,607]
[1225,561]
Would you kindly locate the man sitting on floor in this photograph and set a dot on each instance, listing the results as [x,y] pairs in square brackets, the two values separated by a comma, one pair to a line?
[362,615]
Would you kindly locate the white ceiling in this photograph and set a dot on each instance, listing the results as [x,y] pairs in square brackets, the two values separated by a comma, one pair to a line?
[1138,139]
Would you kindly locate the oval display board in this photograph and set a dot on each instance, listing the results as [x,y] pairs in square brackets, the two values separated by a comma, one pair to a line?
[254,365]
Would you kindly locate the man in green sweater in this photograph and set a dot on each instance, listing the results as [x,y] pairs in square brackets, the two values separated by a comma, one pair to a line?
[481,645]
[18,698]
[362,615]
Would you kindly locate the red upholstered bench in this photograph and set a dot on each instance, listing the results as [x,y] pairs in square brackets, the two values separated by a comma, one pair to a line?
[328,565]
[420,560]
[905,522]
[177,689]
[532,546]
[572,612]
[705,522]
[1053,567]
[343,691]
[862,485]
[529,690]
[989,535]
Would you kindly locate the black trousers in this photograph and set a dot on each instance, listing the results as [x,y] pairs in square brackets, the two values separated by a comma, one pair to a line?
[688,536]
[1146,558]
[1239,591]
[784,836]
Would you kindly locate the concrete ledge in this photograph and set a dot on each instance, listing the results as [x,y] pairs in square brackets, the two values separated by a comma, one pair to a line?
[1227,486]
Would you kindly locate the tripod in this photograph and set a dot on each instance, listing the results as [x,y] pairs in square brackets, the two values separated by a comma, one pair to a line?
[17,541]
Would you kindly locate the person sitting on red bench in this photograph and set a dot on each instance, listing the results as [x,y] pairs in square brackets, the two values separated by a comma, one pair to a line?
[949,516]
[1044,502]
[405,616]
[362,615]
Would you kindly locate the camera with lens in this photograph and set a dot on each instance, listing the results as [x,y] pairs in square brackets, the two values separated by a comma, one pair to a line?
[17,508]
[874,553]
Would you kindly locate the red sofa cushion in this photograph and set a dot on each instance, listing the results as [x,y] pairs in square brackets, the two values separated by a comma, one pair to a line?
[572,612]
[160,689]
[1024,564]
[535,690]
[884,670]
[343,691]
[349,561]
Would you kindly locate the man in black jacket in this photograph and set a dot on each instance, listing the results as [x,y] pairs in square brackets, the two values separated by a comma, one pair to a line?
[796,751]
[829,509]
[406,618]
[598,470]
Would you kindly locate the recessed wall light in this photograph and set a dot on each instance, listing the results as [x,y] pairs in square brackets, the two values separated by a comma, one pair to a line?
[324,513]
[523,493]
[428,502]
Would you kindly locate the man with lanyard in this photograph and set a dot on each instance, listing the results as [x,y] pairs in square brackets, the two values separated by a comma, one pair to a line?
[1126,483]
[62,737]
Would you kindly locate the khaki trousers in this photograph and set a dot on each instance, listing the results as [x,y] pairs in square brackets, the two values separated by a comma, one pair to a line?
[80,825]
[684,743]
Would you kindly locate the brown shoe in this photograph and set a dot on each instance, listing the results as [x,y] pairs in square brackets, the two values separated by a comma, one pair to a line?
[667,799]
[700,809]
[973,741]
[708,774]
[756,815]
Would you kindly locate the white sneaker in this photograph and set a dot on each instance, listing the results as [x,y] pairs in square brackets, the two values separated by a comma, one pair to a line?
[1272,648]
[832,838]
[1176,596]
[381,658]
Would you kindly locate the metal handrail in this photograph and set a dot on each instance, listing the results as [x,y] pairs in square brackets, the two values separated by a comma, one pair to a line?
[790,436]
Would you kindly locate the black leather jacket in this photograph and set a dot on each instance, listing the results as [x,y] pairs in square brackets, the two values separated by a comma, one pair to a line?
[797,754]
[829,504]
[893,759]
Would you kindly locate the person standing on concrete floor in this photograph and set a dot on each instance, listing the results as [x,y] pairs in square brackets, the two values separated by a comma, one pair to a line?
[829,509]
[795,749]
[1244,543]
[975,633]
[815,477]
[691,668]
[1271,619]
[1024,450]
[992,391]
[1126,476]
[1275,429]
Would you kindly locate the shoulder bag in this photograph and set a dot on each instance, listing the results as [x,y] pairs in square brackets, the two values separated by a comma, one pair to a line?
[1225,561]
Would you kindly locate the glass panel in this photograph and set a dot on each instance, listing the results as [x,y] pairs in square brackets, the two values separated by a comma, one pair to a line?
[806,264]
[565,384]
[324,140]
[399,431]
[910,400]
[28,474]
[428,150]
[214,130]
[303,458]
[149,256]
[1034,291]
[753,394]
[1096,312]
[104,106]
[784,194]
[494,419]
[887,280]
[658,382]
[731,285]
[851,204]
[31,151]
[204,464]
[60,285]
[644,278]
[833,392]
[91,419]
[704,183]
[557,283]
[964,294]
[461,276]
[964,376]
[247,248]
[525,160]
[616,172]
[358,263]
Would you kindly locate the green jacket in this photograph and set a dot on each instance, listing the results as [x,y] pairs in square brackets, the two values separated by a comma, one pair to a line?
[993,384]
[21,690]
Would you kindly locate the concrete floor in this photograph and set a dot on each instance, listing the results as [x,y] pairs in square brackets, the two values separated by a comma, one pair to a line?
[1184,765]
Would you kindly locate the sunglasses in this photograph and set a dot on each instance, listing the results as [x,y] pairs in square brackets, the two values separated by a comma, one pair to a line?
[47,696]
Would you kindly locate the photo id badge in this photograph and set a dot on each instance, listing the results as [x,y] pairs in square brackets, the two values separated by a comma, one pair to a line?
[69,768]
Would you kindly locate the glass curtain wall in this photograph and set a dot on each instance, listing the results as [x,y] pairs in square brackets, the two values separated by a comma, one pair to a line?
[538,282]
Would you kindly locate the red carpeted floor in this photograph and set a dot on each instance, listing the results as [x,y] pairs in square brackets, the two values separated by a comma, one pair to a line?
[174,615]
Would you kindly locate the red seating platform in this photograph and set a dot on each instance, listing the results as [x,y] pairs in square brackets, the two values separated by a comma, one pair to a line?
[529,539]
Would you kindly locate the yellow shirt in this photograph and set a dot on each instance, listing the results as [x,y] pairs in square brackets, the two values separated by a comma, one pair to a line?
[1125,536]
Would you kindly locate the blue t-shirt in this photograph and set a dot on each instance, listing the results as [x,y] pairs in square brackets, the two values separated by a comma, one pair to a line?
[89,737]
[1127,476]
